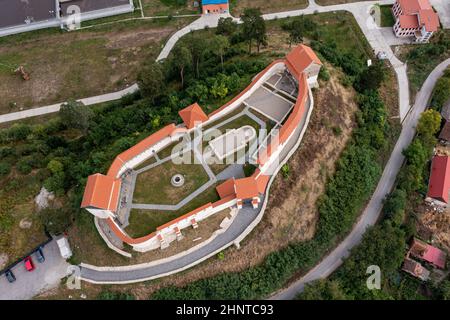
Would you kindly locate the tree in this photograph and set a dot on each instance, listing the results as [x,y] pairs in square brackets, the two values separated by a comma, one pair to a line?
[5,169]
[56,220]
[55,166]
[372,77]
[219,45]
[253,28]
[219,89]
[180,59]
[74,114]
[429,123]
[296,31]
[323,289]
[151,80]
[197,45]
[226,26]
[198,92]
[441,93]
[394,206]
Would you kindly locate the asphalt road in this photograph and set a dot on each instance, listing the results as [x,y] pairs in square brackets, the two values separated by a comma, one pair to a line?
[144,272]
[28,284]
[372,212]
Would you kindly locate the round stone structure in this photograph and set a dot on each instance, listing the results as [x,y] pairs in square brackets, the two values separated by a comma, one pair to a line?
[177,180]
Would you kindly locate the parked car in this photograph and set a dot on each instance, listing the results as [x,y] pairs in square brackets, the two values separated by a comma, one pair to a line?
[10,276]
[40,255]
[29,264]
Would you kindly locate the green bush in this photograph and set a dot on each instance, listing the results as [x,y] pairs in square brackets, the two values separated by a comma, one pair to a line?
[5,169]
[111,295]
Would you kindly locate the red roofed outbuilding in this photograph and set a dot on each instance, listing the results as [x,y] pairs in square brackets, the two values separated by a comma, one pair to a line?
[439,185]
[428,253]
[302,59]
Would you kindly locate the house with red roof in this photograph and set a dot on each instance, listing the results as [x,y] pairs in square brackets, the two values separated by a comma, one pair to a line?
[215,6]
[426,252]
[415,269]
[303,60]
[415,18]
[439,184]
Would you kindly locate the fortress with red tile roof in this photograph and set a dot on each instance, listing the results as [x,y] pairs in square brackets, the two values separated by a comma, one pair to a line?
[102,192]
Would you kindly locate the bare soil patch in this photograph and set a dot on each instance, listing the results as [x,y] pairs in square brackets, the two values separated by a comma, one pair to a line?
[76,65]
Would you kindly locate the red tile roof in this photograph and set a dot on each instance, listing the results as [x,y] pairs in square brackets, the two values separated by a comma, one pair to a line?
[226,188]
[102,192]
[421,11]
[426,252]
[300,58]
[439,185]
[246,188]
[429,19]
[435,256]
[408,21]
[193,115]
[137,149]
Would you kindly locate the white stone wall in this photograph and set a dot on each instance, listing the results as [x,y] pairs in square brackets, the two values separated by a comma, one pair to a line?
[100,213]
[168,233]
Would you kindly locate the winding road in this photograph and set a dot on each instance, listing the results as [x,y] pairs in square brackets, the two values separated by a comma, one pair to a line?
[373,210]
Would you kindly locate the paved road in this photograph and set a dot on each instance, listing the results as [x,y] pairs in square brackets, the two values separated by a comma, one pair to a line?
[372,212]
[143,272]
[46,275]
[55,107]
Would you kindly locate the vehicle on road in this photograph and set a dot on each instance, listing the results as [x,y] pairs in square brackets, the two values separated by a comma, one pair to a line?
[29,265]
[40,255]
[10,276]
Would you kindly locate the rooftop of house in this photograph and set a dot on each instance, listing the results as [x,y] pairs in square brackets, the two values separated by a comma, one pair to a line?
[421,11]
[439,185]
[407,21]
[300,58]
[415,268]
[428,253]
